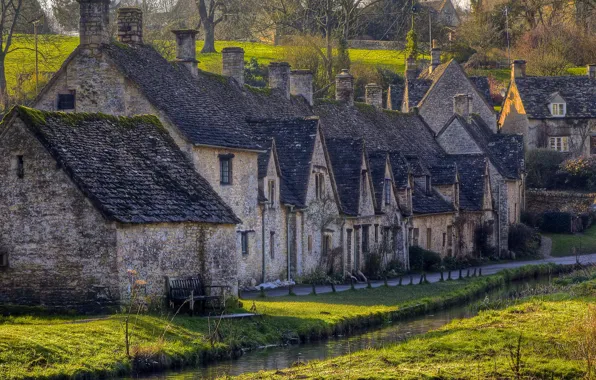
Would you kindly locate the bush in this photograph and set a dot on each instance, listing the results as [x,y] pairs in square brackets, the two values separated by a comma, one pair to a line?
[542,166]
[524,241]
[531,219]
[423,260]
[557,222]
[578,173]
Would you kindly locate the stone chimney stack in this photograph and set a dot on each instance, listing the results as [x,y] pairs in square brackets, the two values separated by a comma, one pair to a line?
[186,49]
[301,84]
[279,77]
[374,95]
[344,87]
[518,69]
[130,25]
[435,56]
[462,105]
[94,24]
[592,71]
[233,63]
[411,68]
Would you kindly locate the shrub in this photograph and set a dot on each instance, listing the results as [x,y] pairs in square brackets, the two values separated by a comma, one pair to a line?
[524,241]
[373,265]
[557,222]
[578,173]
[587,220]
[531,219]
[423,260]
[542,166]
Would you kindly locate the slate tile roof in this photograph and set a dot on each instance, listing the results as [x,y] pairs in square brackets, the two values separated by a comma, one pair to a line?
[443,174]
[396,96]
[416,89]
[471,169]
[295,141]
[579,93]
[400,169]
[377,162]
[346,161]
[483,87]
[129,168]
[431,203]
[208,110]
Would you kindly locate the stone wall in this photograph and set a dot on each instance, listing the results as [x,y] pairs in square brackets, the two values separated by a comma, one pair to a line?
[176,249]
[61,251]
[539,201]
[375,45]
[456,140]
[438,225]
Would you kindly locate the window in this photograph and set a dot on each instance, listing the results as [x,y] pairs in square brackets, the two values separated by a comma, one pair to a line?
[326,244]
[415,236]
[449,236]
[558,109]
[387,191]
[309,243]
[271,192]
[444,239]
[225,169]
[272,244]
[363,182]
[244,243]
[560,143]
[376,233]
[19,166]
[429,236]
[349,247]
[3,260]
[319,185]
[66,101]
[427,184]
[365,237]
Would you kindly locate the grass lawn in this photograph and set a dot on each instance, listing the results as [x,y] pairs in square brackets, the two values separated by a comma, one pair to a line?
[482,347]
[563,244]
[58,346]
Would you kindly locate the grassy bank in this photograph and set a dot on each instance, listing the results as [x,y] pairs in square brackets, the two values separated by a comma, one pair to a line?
[539,338]
[563,244]
[57,347]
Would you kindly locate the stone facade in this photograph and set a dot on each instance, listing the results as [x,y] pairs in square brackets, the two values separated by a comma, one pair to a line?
[301,82]
[539,201]
[130,25]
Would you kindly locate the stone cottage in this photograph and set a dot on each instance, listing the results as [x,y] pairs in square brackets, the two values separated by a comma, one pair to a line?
[443,12]
[557,113]
[87,197]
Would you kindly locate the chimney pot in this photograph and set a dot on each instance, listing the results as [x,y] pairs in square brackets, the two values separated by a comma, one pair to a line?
[186,49]
[279,77]
[344,87]
[462,105]
[435,55]
[233,63]
[411,68]
[130,25]
[518,69]
[592,70]
[301,84]
[374,95]
[94,24]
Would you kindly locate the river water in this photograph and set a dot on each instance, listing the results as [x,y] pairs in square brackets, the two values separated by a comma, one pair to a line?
[273,358]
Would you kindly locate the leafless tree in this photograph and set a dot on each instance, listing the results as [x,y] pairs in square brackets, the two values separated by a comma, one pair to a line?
[11,12]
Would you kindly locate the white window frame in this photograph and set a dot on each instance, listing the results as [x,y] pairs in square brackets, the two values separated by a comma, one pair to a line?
[558,109]
[559,143]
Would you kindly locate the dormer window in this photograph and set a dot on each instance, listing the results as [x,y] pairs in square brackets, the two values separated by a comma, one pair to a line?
[319,186]
[558,109]
[387,191]
[271,192]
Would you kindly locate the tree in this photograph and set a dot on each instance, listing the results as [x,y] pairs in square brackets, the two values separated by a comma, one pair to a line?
[412,44]
[212,12]
[11,12]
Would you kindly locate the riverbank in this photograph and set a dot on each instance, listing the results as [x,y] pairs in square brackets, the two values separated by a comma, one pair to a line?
[58,347]
[540,337]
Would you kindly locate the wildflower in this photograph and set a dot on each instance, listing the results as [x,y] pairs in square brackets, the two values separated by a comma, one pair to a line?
[140,282]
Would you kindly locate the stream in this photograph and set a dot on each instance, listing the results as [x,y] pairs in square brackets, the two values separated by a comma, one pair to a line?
[272,358]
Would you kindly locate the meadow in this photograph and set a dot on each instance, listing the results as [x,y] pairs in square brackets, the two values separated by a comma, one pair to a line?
[570,244]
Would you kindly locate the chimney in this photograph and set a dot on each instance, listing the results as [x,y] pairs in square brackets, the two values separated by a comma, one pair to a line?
[186,49]
[592,71]
[374,95]
[435,56]
[233,63]
[462,105]
[411,68]
[130,25]
[344,87]
[518,69]
[301,84]
[94,24]
[279,77]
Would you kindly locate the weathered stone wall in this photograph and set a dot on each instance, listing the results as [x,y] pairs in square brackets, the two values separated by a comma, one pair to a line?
[438,106]
[62,252]
[539,201]
[513,118]
[181,249]
[577,130]
[456,140]
[438,224]
[375,45]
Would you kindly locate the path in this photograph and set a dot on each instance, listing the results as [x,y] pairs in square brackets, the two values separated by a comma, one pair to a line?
[302,290]
[546,246]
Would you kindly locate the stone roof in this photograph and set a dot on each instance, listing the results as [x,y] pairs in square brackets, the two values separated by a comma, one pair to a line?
[295,142]
[437,5]
[416,89]
[471,169]
[377,162]
[400,169]
[209,109]
[417,167]
[431,203]
[381,130]
[346,161]
[579,93]
[483,87]
[129,168]
[443,174]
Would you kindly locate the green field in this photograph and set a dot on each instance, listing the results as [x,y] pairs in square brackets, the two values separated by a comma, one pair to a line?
[58,346]
[563,244]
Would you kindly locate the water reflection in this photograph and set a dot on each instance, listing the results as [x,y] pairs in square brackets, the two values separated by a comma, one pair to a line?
[282,357]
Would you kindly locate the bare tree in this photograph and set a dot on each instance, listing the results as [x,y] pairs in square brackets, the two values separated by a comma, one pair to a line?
[9,18]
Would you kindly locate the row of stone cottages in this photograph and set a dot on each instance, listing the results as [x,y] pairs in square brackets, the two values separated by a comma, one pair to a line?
[238,184]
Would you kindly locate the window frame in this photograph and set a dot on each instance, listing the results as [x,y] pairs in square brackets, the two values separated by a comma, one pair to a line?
[429,237]
[4,261]
[561,109]
[272,245]
[226,158]
[244,246]
[319,185]
[72,93]
[558,143]
[20,166]
[387,191]
[271,194]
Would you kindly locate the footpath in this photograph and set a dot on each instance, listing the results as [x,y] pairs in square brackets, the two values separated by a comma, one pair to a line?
[303,290]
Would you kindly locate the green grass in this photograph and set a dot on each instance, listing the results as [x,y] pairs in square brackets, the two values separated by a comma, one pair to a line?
[68,346]
[563,244]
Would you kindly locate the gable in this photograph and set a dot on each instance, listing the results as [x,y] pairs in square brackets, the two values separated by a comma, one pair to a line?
[366,201]
[455,139]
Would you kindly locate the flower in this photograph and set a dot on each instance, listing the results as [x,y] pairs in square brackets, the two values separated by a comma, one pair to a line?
[140,282]
[132,272]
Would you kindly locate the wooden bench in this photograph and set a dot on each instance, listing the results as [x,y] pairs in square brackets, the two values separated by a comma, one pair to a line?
[192,290]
